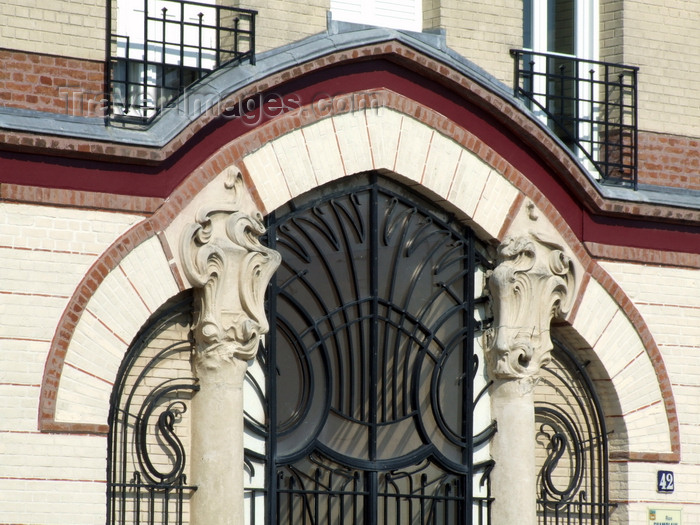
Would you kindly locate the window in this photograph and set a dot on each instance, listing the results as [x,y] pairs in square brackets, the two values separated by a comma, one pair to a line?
[160,47]
[590,105]
[397,14]
[567,28]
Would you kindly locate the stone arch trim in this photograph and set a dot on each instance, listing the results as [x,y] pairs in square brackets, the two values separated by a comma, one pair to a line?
[634,317]
[627,314]
[105,265]
[254,154]
[392,50]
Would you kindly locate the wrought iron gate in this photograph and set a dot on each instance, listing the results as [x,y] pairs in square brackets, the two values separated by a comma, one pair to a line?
[366,404]
[373,376]
[149,426]
[573,452]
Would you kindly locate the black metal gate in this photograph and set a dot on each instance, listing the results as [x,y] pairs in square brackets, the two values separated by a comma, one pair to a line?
[149,426]
[371,364]
[573,447]
[370,389]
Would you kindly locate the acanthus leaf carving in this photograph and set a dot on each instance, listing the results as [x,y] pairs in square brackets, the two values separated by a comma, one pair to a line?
[532,284]
[229,270]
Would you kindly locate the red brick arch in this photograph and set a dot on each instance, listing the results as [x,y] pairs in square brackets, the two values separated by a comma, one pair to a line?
[475,141]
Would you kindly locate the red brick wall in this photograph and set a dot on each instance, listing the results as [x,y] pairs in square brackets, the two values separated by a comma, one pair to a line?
[669,160]
[51,83]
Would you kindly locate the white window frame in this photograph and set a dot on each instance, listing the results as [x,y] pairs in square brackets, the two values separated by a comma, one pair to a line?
[396,14]
[587,47]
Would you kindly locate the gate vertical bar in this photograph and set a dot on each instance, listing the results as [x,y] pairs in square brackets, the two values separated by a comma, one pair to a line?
[372,500]
[468,289]
[271,478]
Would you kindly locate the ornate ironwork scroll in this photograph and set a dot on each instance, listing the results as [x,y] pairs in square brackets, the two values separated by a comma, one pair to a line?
[149,427]
[572,445]
[373,368]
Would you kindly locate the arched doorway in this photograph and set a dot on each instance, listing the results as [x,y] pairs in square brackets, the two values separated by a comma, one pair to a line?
[368,401]
[374,368]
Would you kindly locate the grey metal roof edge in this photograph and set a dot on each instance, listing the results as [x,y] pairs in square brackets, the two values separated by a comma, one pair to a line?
[651,194]
[205,95]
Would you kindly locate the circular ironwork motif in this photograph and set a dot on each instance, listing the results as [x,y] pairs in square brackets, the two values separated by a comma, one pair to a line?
[373,309]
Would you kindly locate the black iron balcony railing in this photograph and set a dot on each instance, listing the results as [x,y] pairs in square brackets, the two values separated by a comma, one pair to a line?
[170,45]
[590,105]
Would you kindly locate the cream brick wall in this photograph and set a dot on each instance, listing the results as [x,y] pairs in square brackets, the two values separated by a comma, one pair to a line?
[384,129]
[44,252]
[72,28]
[280,22]
[484,32]
[53,502]
[118,309]
[662,38]
[669,301]
[611,35]
[431,14]
[621,352]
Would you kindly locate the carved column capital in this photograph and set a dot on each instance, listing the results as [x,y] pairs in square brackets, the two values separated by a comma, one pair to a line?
[229,270]
[532,283]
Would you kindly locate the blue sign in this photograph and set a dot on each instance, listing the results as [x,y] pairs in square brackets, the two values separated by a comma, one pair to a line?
[665,481]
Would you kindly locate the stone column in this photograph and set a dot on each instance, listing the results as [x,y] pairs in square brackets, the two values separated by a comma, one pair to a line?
[229,270]
[532,283]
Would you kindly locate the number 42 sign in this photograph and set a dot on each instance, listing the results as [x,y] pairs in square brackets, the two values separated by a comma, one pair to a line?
[665,481]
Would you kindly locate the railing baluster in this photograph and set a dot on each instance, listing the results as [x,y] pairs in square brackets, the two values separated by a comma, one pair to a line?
[137,478]
[251,38]
[218,37]
[144,77]
[236,35]
[166,504]
[317,489]
[151,506]
[329,499]
[355,507]
[199,48]
[591,120]
[423,481]
[290,500]
[181,71]
[446,508]
[278,493]
[179,501]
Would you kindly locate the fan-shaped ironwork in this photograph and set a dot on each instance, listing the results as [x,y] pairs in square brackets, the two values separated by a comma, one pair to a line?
[372,368]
